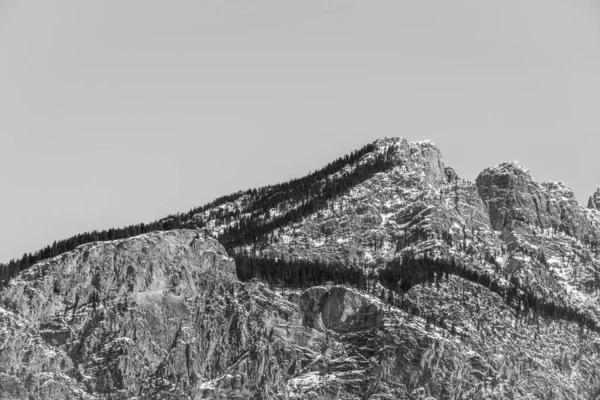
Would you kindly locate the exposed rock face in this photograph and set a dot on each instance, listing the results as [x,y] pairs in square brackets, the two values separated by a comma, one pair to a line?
[339,309]
[551,240]
[512,195]
[156,316]
[151,264]
[168,319]
[418,199]
[506,225]
[163,316]
[594,201]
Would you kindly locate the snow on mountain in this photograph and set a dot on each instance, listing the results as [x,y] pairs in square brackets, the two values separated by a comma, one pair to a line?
[163,315]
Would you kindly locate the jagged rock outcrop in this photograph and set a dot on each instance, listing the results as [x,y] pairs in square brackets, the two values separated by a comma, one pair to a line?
[155,316]
[512,195]
[594,201]
[551,240]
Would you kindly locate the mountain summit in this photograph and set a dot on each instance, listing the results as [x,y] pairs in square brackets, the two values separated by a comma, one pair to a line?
[382,275]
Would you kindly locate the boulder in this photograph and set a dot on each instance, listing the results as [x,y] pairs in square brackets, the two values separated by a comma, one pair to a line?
[339,309]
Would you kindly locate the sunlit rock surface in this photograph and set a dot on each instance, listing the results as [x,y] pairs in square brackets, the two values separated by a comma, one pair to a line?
[163,315]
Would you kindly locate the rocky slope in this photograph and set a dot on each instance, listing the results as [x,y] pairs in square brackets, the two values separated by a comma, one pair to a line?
[551,240]
[506,224]
[163,315]
[157,316]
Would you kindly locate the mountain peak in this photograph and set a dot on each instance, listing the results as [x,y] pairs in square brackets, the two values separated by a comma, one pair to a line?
[386,141]
[404,143]
[425,143]
[510,167]
[594,201]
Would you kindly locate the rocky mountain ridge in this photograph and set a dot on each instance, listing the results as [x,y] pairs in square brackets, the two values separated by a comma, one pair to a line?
[163,314]
[505,223]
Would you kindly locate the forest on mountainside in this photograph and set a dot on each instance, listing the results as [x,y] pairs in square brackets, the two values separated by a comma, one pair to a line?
[298,274]
[247,224]
[250,223]
[398,277]
[254,229]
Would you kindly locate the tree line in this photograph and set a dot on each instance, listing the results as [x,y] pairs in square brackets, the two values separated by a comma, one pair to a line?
[298,273]
[400,275]
[247,229]
[254,229]
[15,266]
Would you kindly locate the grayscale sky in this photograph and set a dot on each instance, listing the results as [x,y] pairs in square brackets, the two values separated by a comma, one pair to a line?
[115,112]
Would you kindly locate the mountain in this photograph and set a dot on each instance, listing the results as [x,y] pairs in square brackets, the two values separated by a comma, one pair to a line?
[383,275]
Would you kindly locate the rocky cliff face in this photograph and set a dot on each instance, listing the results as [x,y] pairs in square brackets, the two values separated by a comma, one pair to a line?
[413,205]
[551,240]
[512,196]
[163,315]
[157,316]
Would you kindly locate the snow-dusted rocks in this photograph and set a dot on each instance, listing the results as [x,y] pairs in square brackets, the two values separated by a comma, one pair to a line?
[512,196]
[151,263]
[163,315]
[165,318]
[551,240]
[160,315]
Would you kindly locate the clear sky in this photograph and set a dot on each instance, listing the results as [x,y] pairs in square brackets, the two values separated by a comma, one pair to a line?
[115,112]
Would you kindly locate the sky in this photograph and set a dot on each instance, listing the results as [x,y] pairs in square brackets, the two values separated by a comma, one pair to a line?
[117,112]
